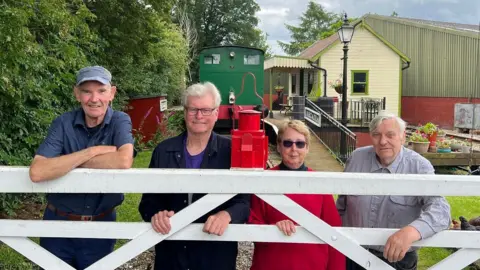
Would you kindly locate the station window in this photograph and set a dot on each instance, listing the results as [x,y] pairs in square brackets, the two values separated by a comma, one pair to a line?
[359,82]
[211,59]
[251,59]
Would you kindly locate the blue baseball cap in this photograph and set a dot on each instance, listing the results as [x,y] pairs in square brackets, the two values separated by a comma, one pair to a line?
[94,73]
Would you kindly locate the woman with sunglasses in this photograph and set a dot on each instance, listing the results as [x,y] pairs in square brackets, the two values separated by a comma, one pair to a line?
[292,143]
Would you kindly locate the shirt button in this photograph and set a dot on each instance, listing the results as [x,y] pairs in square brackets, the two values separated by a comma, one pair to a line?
[185,247]
[88,207]
[185,201]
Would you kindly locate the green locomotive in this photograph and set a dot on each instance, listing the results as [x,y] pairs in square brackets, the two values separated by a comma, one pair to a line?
[228,67]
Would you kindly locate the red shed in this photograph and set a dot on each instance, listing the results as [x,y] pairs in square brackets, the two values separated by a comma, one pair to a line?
[146,113]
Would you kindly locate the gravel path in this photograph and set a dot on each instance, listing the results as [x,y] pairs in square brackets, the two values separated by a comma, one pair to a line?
[145,261]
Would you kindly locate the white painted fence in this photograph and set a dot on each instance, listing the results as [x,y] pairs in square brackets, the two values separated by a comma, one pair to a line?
[221,186]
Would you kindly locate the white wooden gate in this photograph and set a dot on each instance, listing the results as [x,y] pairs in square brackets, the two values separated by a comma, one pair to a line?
[221,186]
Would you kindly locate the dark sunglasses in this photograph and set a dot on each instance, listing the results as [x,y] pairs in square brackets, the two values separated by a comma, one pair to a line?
[298,144]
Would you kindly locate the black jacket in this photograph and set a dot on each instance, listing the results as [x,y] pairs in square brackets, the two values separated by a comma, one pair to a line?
[192,255]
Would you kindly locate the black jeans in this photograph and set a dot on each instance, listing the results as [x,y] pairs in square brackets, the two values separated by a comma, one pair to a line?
[409,262]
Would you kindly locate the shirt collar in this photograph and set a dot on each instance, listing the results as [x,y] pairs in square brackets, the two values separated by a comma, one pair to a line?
[392,168]
[80,117]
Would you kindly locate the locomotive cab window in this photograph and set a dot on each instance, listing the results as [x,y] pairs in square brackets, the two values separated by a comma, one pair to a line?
[211,59]
[251,59]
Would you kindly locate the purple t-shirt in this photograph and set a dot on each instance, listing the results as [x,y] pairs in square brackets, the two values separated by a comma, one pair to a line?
[192,162]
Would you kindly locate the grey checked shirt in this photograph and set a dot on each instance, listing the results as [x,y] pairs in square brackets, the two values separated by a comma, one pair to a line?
[428,214]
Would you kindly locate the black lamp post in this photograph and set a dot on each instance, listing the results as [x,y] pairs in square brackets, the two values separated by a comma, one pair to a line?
[345,33]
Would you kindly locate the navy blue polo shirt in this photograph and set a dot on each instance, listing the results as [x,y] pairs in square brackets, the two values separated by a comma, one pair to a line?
[68,134]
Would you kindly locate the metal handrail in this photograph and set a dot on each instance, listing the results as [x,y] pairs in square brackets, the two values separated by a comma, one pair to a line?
[333,120]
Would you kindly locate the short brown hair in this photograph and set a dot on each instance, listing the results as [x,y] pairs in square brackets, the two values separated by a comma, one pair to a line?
[296,125]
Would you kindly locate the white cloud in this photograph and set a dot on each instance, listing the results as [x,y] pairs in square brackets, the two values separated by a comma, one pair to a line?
[283,12]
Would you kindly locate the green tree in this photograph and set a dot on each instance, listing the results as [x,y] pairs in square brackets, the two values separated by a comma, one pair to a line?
[142,47]
[333,28]
[223,22]
[44,44]
[313,23]
[39,57]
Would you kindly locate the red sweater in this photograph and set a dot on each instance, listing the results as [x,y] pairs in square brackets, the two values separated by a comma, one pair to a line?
[285,256]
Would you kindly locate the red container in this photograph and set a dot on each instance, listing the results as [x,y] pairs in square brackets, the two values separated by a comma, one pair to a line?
[146,114]
[249,120]
[249,143]
[433,139]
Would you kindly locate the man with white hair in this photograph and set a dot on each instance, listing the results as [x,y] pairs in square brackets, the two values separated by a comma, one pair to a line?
[199,147]
[417,217]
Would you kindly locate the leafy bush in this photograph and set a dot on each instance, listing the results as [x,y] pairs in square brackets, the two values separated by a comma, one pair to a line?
[44,44]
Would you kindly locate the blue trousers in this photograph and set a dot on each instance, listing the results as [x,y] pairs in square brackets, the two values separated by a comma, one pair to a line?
[78,252]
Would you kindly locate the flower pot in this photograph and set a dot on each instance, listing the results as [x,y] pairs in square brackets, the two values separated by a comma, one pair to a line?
[456,146]
[444,150]
[432,138]
[465,149]
[339,90]
[420,147]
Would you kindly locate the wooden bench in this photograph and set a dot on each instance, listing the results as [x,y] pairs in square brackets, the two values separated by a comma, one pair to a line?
[286,108]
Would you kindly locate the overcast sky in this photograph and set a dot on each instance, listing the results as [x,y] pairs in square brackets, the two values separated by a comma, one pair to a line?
[275,13]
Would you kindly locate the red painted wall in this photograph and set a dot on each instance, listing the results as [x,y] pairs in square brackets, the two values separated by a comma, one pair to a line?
[363,139]
[440,111]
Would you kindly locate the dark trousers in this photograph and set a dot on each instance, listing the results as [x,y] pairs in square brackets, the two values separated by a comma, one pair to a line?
[78,252]
[409,262]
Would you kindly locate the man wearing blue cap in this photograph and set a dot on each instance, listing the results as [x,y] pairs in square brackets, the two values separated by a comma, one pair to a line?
[93,136]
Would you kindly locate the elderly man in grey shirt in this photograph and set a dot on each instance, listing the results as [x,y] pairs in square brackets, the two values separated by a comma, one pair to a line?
[417,217]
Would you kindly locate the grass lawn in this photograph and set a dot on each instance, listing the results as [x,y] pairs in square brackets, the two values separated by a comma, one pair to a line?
[128,212]
[461,206]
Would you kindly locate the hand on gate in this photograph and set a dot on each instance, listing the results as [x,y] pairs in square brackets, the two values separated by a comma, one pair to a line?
[286,226]
[399,243]
[161,221]
[218,223]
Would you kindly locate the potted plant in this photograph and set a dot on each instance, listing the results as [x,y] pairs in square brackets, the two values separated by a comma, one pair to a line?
[443,146]
[337,85]
[431,130]
[420,142]
[441,134]
[466,146]
[278,89]
[455,145]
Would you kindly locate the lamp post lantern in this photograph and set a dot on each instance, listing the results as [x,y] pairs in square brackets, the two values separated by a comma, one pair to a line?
[345,33]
